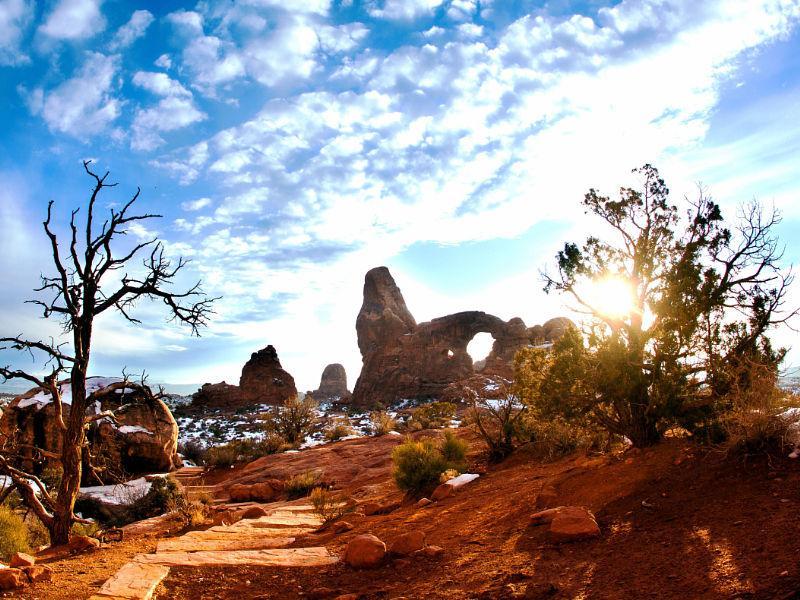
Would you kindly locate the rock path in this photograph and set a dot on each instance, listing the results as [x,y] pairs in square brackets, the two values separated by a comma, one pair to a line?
[259,542]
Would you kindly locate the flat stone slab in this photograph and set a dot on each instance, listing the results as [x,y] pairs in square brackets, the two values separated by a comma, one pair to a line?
[134,581]
[284,557]
[227,542]
[282,520]
[229,531]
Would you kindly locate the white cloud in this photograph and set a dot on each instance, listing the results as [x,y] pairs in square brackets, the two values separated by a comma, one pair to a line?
[194,205]
[169,114]
[15,16]
[83,105]
[132,30]
[404,10]
[163,61]
[74,20]
[286,53]
[159,83]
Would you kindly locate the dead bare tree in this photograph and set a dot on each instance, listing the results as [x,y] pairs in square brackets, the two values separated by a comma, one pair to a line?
[77,297]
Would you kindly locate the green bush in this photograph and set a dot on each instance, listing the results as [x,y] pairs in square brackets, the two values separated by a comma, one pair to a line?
[243,451]
[13,533]
[454,450]
[419,464]
[223,456]
[338,430]
[294,420]
[327,506]
[381,423]
[301,484]
[434,415]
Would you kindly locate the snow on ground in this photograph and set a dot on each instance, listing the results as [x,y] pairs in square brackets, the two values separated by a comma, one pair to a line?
[126,429]
[5,482]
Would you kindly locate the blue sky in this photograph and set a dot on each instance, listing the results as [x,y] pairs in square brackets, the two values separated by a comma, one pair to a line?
[291,146]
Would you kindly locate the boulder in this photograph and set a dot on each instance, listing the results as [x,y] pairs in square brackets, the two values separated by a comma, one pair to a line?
[365,552]
[333,384]
[144,439]
[20,559]
[342,527]
[264,491]
[263,381]
[567,523]
[444,490]
[403,359]
[83,543]
[408,543]
[38,573]
[11,579]
[254,512]
[422,503]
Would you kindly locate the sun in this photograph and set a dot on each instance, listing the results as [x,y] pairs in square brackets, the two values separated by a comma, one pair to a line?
[611,296]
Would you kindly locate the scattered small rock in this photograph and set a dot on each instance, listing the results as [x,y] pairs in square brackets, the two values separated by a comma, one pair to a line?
[347,597]
[322,593]
[342,527]
[365,552]
[422,502]
[567,523]
[430,551]
[408,543]
[38,573]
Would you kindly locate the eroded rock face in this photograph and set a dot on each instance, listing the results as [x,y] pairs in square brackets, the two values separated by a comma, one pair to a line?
[403,359]
[144,439]
[263,381]
[333,385]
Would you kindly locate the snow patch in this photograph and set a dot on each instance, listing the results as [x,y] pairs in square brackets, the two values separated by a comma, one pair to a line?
[126,429]
[93,384]
[464,479]
[122,493]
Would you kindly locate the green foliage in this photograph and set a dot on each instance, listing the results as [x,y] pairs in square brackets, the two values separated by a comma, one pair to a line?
[13,533]
[381,423]
[327,505]
[87,529]
[243,451]
[496,420]
[642,372]
[294,420]
[419,464]
[454,450]
[300,485]
[194,451]
[434,415]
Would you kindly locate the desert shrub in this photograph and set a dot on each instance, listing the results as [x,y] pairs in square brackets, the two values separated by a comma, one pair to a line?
[337,430]
[293,421]
[454,450]
[498,420]
[381,423]
[327,505]
[301,484]
[556,437]
[191,513]
[87,529]
[38,535]
[434,415]
[448,475]
[194,451]
[13,533]
[419,464]
[240,451]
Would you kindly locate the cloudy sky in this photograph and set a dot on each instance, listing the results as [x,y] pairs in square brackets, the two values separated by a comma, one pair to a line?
[291,145]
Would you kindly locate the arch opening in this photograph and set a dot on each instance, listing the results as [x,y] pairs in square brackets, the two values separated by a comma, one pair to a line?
[479,349]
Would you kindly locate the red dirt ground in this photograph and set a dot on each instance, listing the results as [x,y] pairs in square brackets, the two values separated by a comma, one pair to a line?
[677,521]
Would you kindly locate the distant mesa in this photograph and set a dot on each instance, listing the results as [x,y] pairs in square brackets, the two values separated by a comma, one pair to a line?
[144,439]
[333,384]
[403,359]
[263,381]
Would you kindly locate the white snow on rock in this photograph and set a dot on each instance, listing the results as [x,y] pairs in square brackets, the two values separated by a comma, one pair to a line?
[122,493]
[126,429]
[93,384]
[464,479]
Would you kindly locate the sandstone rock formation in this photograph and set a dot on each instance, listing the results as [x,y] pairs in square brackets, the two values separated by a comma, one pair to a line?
[403,359]
[144,439]
[263,381]
[333,384]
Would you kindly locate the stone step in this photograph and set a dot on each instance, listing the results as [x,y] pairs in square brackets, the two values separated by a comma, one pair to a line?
[282,520]
[229,531]
[134,581]
[284,557]
[223,542]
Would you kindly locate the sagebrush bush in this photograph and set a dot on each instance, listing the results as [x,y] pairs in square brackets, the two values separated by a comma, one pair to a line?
[327,505]
[337,430]
[434,415]
[301,484]
[13,533]
[418,465]
[243,451]
[555,438]
[293,421]
[194,451]
[381,423]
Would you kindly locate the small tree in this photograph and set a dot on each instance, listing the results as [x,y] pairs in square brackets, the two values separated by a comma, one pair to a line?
[700,300]
[497,419]
[81,290]
[294,420]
